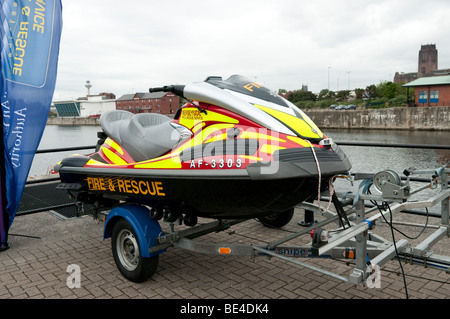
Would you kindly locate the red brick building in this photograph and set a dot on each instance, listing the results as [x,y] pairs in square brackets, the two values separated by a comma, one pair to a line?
[159,102]
[431,91]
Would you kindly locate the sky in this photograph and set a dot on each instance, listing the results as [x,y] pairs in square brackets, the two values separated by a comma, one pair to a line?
[125,47]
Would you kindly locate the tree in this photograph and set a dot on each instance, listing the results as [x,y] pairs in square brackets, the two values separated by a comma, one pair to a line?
[300,95]
[342,95]
[326,94]
[360,94]
[390,90]
[371,91]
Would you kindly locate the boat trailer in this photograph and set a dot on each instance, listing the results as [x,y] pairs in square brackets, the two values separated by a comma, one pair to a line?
[138,240]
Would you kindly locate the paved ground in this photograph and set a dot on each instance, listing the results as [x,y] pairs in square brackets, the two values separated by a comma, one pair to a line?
[38,268]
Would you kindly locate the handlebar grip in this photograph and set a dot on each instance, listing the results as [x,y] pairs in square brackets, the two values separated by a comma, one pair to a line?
[166,88]
[175,89]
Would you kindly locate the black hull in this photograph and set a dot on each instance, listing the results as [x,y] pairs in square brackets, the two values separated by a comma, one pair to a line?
[240,198]
[237,198]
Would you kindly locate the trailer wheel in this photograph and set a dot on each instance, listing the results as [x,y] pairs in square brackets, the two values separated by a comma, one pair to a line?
[277,220]
[126,252]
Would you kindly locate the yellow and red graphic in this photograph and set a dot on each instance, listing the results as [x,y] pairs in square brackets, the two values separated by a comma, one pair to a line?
[210,125]
[303,126]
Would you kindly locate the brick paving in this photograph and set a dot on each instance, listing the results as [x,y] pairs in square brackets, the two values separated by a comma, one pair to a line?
[37,268]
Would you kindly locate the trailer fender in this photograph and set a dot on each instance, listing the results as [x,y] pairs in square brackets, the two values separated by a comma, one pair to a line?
[147,230]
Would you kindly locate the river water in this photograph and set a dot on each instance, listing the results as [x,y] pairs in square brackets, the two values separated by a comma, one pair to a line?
[56,136]
[376,159]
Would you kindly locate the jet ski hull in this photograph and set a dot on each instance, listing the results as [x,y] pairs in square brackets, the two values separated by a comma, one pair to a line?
[204,197]
[254,191]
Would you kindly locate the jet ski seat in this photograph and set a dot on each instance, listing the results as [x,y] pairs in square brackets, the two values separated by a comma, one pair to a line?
[144,136]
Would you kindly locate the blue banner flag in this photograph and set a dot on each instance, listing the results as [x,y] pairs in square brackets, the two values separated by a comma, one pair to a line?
[30,34]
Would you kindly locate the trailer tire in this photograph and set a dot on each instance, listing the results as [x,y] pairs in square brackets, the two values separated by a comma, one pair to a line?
[277,220]
[126,252]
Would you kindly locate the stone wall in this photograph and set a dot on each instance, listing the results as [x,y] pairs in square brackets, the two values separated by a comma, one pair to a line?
[399,118]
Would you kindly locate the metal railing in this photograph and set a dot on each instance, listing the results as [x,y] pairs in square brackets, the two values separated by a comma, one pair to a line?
[36,190]
[373,144]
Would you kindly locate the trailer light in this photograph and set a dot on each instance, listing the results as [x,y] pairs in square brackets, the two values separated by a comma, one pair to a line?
[349,253]
[224,250]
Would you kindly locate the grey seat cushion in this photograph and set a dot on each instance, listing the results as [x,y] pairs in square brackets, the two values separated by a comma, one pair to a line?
[144,136]
[110,122]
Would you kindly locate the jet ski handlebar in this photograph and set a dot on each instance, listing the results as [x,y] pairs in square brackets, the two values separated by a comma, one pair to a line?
[175,89]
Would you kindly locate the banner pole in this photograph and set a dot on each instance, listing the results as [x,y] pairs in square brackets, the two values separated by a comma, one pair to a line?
[4,218]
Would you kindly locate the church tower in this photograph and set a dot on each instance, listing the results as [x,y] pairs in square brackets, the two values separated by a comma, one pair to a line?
[428,60]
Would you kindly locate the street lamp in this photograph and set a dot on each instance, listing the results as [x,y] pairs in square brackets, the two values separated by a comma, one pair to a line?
[348,77]
[329,78]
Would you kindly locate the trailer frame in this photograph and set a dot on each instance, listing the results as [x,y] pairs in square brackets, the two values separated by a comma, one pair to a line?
[356,241]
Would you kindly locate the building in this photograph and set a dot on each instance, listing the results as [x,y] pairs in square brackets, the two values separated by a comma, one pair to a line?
[158,102]
[405,77]
[89,106]
[427,66]
[431,91]
[428,60]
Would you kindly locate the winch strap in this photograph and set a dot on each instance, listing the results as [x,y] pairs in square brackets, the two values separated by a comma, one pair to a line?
[319,173]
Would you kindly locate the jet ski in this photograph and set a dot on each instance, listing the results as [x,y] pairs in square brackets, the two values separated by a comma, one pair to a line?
[234,150]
